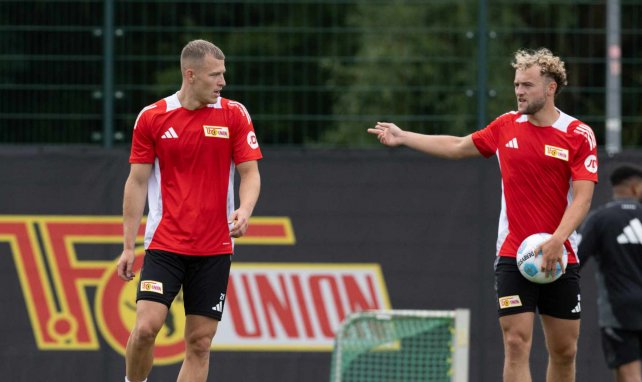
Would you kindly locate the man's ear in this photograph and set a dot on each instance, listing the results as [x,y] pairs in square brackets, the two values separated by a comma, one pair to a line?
[637,189]
[189,75]
[552,87]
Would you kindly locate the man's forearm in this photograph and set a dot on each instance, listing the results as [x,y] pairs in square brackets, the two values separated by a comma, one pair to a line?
[133,208]
[576,212]
[249,190]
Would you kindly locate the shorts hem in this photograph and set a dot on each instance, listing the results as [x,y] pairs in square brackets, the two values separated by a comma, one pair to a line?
[215,315]
[616,364]
[150,298]
[562,316]
[223,252]
[502,313]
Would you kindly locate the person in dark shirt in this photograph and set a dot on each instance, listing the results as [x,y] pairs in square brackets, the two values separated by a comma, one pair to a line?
[613,236]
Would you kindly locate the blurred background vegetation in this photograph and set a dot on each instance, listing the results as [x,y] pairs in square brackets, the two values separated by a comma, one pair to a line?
[311,73]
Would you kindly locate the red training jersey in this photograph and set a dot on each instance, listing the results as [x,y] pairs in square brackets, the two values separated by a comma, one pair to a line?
[538,165]
[191,189]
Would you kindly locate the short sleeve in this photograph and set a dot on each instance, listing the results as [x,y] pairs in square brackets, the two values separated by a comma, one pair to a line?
[245,144]
[584,161]
[486,139]
[142,140]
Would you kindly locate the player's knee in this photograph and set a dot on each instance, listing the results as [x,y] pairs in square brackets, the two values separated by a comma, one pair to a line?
[563,353]
[517,345]
[199,345]
[144,333]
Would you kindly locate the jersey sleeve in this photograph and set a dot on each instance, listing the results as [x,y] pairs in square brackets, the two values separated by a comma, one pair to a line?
[584,160]
[486,139]
[142,141]
[244,141]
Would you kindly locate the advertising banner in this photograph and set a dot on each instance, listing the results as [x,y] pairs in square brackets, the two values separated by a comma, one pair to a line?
[334,232]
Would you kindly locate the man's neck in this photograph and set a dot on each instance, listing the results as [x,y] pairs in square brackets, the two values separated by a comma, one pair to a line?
[545,117]
[624,192]
[188,102]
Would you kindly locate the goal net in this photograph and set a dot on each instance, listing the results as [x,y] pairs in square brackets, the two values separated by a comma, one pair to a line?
[402,345]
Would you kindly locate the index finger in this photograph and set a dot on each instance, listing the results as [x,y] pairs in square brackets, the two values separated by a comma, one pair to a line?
[538,250]
[560,261]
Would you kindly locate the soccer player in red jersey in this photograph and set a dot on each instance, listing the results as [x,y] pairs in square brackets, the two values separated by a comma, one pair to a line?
[186,149]
[548,162]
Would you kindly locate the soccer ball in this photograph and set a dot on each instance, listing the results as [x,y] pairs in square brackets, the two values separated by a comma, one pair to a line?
[530,264]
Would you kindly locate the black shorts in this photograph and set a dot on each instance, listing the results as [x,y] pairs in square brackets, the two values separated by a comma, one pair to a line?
[515,294]
[621,346]
[203,278]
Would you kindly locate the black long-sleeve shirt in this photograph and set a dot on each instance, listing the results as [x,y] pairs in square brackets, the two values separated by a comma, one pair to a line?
[613,235]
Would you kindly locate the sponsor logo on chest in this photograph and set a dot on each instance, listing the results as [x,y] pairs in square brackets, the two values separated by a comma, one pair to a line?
[216,131]
[556,152]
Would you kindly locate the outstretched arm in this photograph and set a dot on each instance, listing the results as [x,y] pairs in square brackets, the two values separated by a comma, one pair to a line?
[443,146]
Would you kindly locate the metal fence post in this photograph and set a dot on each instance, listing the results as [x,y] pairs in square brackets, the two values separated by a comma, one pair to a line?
[108,74]
[482,62]
[613,79]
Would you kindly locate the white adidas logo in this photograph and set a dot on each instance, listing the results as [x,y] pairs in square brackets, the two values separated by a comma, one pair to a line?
[512,144]
[218,307]
[577,308]
[170,133]
[632,233]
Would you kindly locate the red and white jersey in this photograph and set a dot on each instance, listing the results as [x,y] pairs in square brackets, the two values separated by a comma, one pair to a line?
[538,166]
[191,189]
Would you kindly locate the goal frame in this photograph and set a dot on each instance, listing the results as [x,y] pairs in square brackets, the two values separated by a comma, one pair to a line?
[460,343]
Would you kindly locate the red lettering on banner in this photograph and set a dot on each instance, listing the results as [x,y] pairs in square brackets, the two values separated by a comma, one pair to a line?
[357,299]
[71,273]
[30,266]
[235,310]
[56,279]
[286,299]
[280,306]
[320,304]
[288,306]
[305,315]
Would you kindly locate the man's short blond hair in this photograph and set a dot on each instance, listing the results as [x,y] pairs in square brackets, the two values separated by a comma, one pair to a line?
[549,65]
[196,50]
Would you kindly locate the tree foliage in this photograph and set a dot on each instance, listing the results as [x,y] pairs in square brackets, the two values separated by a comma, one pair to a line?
[310,72]
[412,64]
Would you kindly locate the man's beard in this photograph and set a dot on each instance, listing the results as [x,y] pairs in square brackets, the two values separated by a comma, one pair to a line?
[535,106]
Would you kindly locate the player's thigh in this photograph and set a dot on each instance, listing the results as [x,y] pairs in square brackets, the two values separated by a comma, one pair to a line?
[205,285]
[561,298]
[517,329]
[561,334]
[515,294]
[629,372]
[161,277]
[621,347]
[150,315]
